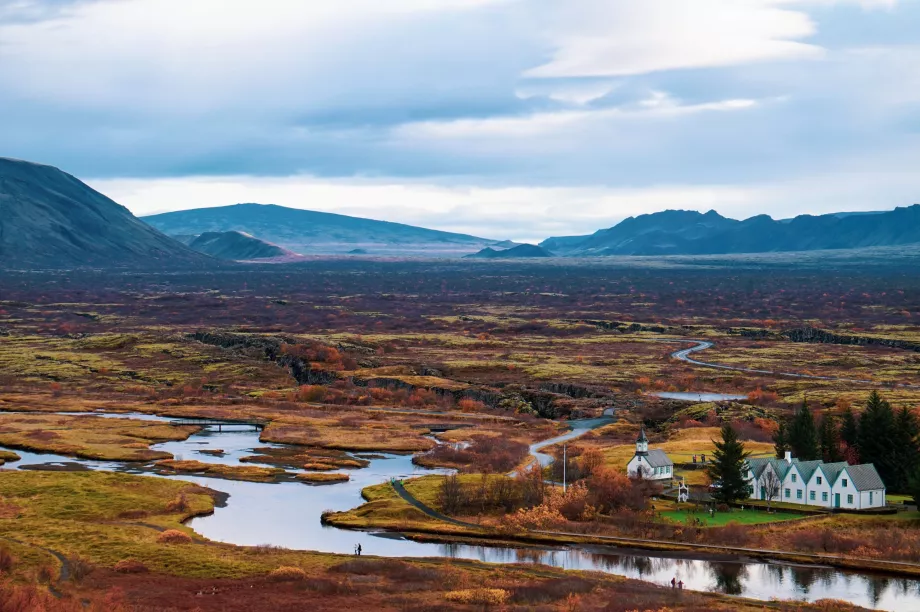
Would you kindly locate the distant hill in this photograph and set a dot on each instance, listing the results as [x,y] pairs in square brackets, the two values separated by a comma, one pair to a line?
[520,251]
[310,232]
[681,232]
[239,247]
[49,219]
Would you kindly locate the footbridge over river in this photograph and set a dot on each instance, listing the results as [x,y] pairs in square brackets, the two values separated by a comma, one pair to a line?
[256,424]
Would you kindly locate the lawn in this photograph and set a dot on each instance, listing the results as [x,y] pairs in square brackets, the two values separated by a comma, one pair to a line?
[672,513]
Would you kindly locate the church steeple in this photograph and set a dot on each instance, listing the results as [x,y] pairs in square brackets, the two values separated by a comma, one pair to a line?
[642,443]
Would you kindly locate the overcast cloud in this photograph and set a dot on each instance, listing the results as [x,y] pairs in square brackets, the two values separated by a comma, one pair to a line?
[505,118]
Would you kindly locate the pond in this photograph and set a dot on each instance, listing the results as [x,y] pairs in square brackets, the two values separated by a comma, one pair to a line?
[288,515]
[697,396]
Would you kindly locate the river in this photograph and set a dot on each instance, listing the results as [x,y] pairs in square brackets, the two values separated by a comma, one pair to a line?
[288,515]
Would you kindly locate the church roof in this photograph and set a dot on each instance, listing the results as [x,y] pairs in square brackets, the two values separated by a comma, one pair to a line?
[642,437]
[658,458]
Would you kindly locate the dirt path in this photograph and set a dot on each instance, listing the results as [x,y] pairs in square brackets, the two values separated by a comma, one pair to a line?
[702,345]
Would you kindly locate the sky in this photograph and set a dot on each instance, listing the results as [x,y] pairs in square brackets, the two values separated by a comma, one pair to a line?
[518,119]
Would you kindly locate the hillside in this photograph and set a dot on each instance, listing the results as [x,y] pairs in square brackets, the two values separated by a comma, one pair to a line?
[679,232]
[238,246]
[49,219]
[310,232]
[519,252]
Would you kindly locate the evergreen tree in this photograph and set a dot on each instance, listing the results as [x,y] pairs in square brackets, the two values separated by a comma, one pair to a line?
[729,468]
[849,434]
[905,447]
[803,435]
[877,438]
[913,486]
[829,438]
[781,440]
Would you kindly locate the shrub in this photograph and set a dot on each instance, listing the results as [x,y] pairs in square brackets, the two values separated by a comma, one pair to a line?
[482,597]
[79,568]
[179,504]
[174,536]
[287,573]
[130,566]
[7,560]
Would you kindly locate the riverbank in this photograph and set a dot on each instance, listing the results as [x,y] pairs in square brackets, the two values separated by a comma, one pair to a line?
[389,508]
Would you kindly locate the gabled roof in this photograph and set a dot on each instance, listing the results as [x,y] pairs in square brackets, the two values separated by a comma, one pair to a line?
[758,465]
[832,470]
[864,477]
[806,468]
[658,458]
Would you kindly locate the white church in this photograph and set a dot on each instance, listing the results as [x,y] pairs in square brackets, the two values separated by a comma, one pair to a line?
[649,464]
[815,483]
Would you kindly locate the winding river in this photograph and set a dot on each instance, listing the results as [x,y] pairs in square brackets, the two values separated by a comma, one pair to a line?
[288,515]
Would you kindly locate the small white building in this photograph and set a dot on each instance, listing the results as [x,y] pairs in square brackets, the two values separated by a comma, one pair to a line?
[649,464]
[815,483]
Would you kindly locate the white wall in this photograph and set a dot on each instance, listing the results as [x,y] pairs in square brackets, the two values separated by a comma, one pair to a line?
[844,491]
[824,487]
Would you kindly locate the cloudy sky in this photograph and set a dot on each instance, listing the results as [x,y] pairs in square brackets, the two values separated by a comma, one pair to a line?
[503,118]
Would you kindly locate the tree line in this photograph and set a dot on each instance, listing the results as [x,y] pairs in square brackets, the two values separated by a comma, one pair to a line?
[881,435]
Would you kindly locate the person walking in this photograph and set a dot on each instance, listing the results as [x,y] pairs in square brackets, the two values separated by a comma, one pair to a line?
[680,585]
[673,582]
[359,550]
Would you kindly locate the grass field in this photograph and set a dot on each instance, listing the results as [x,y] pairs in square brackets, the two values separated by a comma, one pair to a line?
[681,513]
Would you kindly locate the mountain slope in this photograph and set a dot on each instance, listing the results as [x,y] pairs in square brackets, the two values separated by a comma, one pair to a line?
[518,252]
[305,231]
[238,246]
[48,218]
[676,232]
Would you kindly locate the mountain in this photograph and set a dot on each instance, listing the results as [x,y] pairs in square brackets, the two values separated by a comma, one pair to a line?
[518,252]
[49,219]
[306,232]
[681,232]
[239,247]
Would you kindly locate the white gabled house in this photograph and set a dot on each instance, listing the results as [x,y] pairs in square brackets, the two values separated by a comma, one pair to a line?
[649,464]
[815,483]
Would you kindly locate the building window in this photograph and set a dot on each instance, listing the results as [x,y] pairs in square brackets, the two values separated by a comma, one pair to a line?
[844,482]
[819,480]
[811,495]
[849,499]
[798,493]
[870,497]
[824,496]
[793,478]
[787,493]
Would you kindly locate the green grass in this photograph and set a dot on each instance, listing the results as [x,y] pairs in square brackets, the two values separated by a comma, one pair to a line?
[743,517]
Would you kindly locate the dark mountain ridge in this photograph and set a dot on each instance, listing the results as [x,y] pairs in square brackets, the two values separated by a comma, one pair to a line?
[306,231]
[49,219]
[681,232]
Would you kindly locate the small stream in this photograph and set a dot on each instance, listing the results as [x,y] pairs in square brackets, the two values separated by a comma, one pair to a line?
[288,515]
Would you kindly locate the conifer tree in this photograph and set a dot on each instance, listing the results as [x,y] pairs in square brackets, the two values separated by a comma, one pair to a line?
[729,468]
[781,440]
[849,434]
[829,438]
[905,447]
[877,438]
[803,435]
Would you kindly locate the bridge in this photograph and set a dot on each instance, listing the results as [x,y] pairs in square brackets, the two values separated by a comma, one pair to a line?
[256,424]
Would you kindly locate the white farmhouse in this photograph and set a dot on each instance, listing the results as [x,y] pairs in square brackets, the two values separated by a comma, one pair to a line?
[649,464]
[815,483]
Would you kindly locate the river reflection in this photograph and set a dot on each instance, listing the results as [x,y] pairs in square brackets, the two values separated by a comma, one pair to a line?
[288,515]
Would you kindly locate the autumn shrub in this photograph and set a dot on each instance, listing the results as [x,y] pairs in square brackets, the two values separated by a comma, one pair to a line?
[130,566]
[549,591]
[79,568]
[611,490]
[732,533]
[287,573]
[481,596]
[7,560]
[174,536]
[177,505]
[393,569]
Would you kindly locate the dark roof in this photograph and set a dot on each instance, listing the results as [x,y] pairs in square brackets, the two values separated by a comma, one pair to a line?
[642,437]
[658,458]
[832,470]
[864,477]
